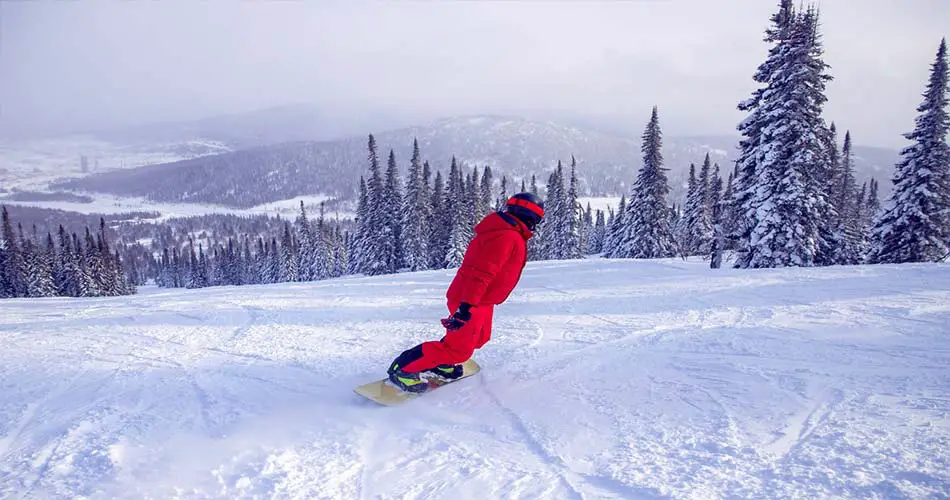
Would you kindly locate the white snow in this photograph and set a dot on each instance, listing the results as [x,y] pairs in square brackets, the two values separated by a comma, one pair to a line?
[33,164]
[604,379]
[600,203]
[109,204]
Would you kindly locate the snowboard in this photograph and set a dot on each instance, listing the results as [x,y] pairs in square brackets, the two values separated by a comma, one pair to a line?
[385,393]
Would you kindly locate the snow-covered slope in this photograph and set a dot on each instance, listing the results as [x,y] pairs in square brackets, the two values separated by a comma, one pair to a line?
[605,379]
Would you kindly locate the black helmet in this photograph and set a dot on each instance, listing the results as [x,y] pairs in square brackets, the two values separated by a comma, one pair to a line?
[527,207]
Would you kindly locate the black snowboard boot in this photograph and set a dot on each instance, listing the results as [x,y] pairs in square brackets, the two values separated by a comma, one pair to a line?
[407,381]
[448,372]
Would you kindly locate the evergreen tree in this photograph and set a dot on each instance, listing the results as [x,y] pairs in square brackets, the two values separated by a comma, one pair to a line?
[415,229]
[503,195]
[391,205]
[485,194]
[194,280]
[11,262]
[288,257]
[471,204]
[716,203]
[743,203]
[597,234]
[833,172]
[851,229]
[455,221]
[615,228]
[65,275]
[572,218]
[587,229]
[873,204]
[683,232]
[377,251]
[438,233]
[361,246]
[648,233]
[308,264]
[915,226]
[790,214]
[94,267]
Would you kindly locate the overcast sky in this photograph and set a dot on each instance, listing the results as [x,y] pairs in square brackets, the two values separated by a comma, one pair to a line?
[91,64]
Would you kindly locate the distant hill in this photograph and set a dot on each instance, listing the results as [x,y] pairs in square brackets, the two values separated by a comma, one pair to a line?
[513,146]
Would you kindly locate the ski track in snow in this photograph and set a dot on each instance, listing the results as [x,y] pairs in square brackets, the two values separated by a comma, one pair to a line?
[604,379]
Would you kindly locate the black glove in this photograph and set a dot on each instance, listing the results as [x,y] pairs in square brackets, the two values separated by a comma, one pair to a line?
[458,320]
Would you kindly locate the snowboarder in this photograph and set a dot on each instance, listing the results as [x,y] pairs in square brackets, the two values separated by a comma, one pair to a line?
[489,272]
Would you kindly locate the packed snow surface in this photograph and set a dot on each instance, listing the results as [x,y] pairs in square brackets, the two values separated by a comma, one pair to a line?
[605,379]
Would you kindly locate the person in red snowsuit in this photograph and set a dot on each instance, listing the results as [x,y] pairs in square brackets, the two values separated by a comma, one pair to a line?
[489,272]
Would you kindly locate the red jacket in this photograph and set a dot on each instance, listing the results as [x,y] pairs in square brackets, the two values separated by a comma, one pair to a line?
[493,261]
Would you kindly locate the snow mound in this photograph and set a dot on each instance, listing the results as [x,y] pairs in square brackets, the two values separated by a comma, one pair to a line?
[604,379]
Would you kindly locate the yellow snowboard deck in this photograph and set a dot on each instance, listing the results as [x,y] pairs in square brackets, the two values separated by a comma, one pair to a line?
[385,393]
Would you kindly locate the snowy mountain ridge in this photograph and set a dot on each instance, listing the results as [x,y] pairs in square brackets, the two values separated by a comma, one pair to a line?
[512,146]
[603,379]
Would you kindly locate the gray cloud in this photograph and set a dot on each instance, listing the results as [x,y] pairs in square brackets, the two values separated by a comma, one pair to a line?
[89,64]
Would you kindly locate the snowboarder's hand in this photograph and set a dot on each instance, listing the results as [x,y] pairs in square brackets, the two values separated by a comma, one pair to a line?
[458,320]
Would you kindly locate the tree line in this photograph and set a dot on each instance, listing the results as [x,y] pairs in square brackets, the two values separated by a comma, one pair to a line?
[791,199]
[67,265]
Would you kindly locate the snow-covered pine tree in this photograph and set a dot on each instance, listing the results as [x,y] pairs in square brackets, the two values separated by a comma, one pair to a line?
[587,228]
[615,228]
[915,224]
[341,252]
[378,238]
[204,269]
[260,261]
[47,265]
[308,268]
[873,204]
[573,221]
[648,233]
[392,203]
[415,230]
[249,269]
[547,243]
[682,231]
[326,254]
[84,281]
[63,276]
[455,220]
[94,267]
[742,209]
[111,278]
[12,281]
[359,245]
[288,257]
[438,232]
[597,234]
[715,199]
[851,230]
[427,208]
[832,177]
[472,195]
[33,275]
[502,195]
[194,271]
[790,213]
[485,194]
[272,268]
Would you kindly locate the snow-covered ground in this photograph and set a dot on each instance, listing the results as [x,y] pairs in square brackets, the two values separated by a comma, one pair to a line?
[604,203]
[109,204]
[32,164]
[605,379]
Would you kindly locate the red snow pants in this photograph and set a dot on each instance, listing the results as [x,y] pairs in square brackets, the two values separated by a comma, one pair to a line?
[456,347]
